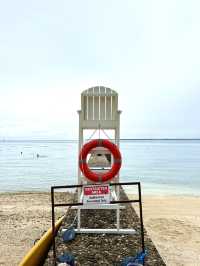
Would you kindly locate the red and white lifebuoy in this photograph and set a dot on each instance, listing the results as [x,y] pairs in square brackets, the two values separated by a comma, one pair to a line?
[100,177]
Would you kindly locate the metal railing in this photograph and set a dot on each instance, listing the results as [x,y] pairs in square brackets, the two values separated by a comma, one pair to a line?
[53,205]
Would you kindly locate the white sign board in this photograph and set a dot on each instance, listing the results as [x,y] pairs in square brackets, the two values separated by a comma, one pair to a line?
[96,194]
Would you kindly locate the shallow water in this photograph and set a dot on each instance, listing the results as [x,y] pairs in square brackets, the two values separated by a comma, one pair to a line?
[162,166]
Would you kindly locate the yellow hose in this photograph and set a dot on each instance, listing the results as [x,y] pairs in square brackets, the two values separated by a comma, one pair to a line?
[37,253]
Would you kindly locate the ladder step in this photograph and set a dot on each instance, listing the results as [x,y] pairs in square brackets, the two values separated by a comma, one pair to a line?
[99,206]
[104,231]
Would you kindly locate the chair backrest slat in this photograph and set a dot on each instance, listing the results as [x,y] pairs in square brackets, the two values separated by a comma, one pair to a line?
[96,104]
[99,103]
[90,107]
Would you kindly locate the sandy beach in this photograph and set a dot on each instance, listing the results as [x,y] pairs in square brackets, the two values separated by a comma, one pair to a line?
[23,219]
[173,223]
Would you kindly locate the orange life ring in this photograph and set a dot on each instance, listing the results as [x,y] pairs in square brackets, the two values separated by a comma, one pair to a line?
[99,177]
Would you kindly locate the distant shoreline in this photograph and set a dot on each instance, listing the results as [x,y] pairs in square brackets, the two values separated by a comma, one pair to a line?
[144,193]
[76,140]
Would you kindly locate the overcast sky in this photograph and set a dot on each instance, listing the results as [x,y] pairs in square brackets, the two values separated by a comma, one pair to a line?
[148,51]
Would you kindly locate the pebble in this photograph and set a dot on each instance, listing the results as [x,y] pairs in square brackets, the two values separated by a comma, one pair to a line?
[105,249]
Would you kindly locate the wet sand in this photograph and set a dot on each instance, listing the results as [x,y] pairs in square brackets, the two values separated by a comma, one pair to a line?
[173,223]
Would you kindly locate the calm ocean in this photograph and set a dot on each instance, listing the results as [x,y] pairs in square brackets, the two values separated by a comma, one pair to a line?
[162,166]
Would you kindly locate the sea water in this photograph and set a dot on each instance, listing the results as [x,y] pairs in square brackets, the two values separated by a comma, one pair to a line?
[162,166]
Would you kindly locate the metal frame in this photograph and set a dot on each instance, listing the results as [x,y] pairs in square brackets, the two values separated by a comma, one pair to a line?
[53,205]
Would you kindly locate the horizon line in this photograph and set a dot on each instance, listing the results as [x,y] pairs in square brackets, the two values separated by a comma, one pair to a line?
[122,139]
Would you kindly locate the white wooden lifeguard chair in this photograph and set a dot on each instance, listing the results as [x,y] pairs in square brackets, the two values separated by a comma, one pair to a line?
[99,111]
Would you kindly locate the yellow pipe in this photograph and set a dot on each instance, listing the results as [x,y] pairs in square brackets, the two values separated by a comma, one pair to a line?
[37,253]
